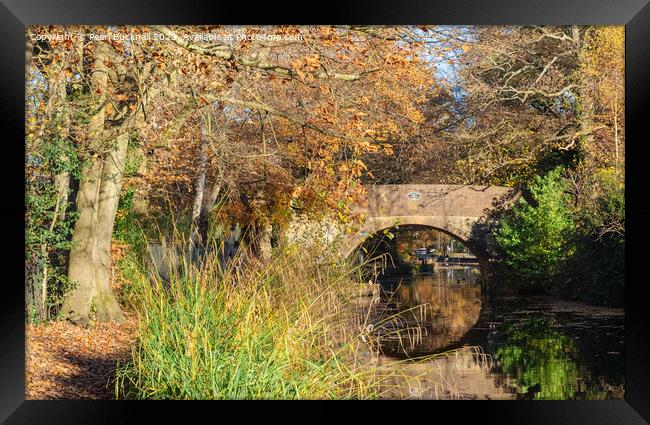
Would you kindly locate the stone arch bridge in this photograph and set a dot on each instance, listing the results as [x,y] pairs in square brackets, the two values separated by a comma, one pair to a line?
[457,210]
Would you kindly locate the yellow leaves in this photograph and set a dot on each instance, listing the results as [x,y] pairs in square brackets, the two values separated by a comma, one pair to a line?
[370,132]
[216,85]
[388,150]
[360,164]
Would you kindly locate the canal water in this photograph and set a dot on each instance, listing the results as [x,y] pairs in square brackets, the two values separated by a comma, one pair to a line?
[439,339]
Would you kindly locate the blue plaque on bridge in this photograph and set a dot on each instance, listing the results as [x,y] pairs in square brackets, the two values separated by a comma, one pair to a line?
[414,196]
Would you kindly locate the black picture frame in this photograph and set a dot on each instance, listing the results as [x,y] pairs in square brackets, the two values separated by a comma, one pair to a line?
[16,14]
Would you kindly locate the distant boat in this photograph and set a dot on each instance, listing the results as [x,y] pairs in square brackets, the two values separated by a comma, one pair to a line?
[458,257]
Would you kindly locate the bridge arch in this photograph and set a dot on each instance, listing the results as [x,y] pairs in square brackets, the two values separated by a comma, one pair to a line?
[375,226]
[455,210]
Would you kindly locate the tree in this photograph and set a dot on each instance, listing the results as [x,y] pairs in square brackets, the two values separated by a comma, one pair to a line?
[298,117]
[534,240]
[517,93]
[278,127]
[97,93]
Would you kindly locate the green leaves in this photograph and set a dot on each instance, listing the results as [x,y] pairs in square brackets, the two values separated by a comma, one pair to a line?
[50,163]
[548,356]
[534,240]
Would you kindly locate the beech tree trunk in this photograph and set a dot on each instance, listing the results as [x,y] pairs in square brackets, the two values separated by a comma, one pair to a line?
[97,197]
[81,268]
[109,195]
[209,199]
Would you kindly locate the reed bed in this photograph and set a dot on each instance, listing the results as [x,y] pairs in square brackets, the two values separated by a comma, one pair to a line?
[284,328]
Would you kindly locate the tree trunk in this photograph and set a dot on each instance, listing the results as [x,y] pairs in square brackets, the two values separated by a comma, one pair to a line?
[58,92]
[209,199]
[97,201]
[197,239]
[81,268]
[109,196]
[88,258]
[264,243]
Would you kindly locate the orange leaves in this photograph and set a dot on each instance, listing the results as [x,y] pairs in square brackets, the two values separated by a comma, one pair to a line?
[198,64]
[297,68]
[362,100]
[68,361]
[328,35]
[327,104]
[395,59]
[312,62]
[304,66]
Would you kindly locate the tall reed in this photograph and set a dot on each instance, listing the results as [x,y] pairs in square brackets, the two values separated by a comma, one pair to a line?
[289,327]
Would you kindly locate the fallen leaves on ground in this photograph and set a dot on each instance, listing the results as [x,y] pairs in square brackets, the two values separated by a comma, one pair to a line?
[66,361]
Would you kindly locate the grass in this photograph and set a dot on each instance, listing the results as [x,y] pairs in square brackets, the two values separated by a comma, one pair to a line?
[286,328]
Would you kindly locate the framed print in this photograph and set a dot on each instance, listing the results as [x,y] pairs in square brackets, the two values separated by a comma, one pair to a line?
[375,202]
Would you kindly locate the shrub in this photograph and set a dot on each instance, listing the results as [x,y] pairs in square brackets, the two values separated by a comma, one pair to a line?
[534,240]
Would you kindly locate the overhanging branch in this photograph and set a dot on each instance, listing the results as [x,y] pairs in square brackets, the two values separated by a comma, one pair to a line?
[256,61]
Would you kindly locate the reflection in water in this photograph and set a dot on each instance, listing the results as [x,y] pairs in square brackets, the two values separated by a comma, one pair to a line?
[551,370]
[442,307]
[460,374]
[515,347]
